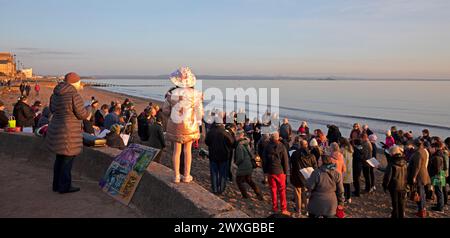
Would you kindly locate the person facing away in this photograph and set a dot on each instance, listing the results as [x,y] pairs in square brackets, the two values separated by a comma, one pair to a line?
[436,170]
[64,135]
[327,190]
[22,89]
[183,107]
[275,166]
[112,118]
[243,159]
[418,175]
[301,159]
[143,121]
[156,135]
[3,116]
[315,150]
[333,134]
[219,142]
[23,113]
[27,89]
[286,130]
[395,181]
[37,89]
[367,169]
[337,158]
[113,138]
[347,152]
[357,166]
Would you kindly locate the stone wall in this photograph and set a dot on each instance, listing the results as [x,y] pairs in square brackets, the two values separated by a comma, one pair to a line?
[156,195]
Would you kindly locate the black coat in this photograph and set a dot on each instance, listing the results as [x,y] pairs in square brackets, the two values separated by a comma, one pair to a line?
[143,124]
[156,136]
[3,119]
[436,164]
[114,140]
[333,134]
[276,159]
[24,115]
[395,176]
[220,143]
[301,159]
[99,119]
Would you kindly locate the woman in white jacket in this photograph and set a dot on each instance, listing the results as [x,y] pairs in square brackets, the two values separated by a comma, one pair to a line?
[184,108]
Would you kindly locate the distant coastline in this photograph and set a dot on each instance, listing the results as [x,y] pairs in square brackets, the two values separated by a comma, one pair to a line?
[244,77]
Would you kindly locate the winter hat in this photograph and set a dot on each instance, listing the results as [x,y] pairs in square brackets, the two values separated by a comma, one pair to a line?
[72,78]
[183,78]
[395,150]
[373,138]
[313,143]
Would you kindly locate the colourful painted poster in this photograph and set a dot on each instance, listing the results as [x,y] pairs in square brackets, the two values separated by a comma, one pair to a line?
[125,172]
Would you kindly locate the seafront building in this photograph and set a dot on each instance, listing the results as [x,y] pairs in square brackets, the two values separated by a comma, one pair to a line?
[7,65]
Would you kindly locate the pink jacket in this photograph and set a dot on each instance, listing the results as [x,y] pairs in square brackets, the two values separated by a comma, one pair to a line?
[390,141]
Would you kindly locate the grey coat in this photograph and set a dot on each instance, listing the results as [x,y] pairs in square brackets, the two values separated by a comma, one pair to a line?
[64,136]
[324,184]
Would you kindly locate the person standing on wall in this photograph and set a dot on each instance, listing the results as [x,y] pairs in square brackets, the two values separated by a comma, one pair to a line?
[184,108]
[64,136]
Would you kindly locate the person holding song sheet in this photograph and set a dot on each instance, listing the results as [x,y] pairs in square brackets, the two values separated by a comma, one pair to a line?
[300,160]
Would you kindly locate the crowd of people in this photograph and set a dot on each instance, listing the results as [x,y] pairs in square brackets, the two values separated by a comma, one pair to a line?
[324,169]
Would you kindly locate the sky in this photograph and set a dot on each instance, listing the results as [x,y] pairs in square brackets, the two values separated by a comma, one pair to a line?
[320,38]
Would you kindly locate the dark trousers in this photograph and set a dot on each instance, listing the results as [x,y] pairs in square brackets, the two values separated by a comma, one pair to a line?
[439,197]
[421,205]
[398,199]
[241,180]
[369,177]
[62,173]
[347,191]
[357,168]
[230,173]
[218,172]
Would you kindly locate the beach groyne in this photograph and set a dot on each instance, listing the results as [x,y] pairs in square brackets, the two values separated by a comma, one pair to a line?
[156,196]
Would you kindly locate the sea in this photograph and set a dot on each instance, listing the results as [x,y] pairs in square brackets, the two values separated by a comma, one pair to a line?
[410,105]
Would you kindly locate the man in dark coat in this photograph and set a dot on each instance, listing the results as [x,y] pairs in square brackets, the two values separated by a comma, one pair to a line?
[301,159]
[276,165]
[23,113]
[333,134]
[418,175]
[156,135]
[64,136]
[219,142]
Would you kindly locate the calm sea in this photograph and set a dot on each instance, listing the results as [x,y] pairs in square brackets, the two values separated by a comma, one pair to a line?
[409,105]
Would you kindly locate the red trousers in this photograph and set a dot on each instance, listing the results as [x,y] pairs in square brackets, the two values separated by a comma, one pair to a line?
[277,184]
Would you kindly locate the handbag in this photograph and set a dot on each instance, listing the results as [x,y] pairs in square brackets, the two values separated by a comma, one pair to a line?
[11,122]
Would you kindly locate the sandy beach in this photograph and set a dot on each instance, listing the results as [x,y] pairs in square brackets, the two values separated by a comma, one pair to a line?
[377,205]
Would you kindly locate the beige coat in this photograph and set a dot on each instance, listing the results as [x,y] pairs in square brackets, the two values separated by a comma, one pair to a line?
[184,109]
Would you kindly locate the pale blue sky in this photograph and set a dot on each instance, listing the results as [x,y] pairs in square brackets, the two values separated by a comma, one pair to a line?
[359,38]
